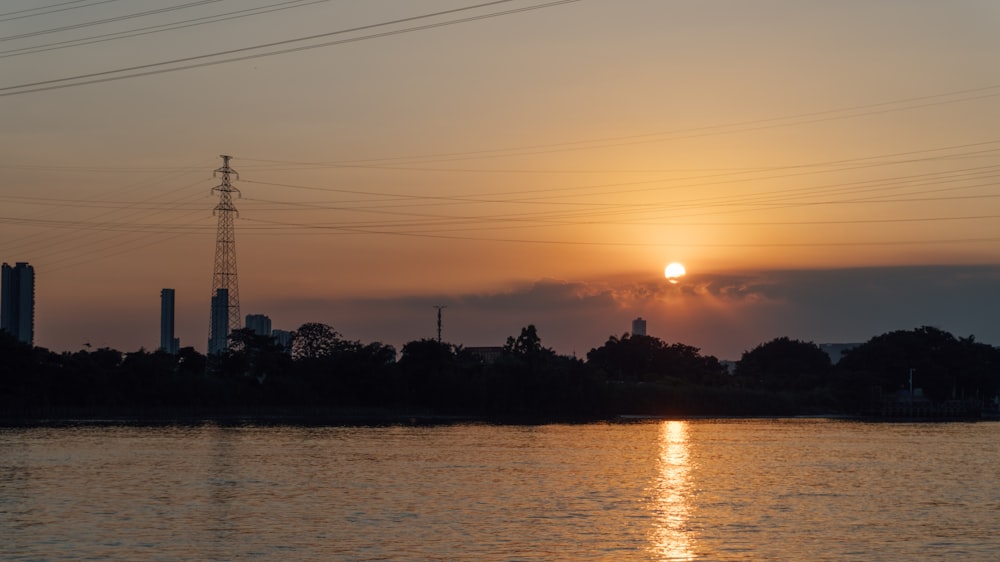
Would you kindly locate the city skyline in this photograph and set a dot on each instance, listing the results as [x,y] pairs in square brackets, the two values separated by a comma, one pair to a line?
[824,171]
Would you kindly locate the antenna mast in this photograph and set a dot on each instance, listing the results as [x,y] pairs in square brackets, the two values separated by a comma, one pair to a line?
[439,307]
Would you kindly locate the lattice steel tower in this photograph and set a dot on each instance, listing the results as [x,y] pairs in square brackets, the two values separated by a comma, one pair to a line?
[224,278]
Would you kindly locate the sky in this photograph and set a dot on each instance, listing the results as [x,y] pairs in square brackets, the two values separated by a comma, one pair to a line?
[825,171]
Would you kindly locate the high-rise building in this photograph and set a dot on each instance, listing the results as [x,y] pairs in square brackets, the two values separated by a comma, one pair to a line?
[259,324]
[168,342]
[639,327]
[283,338]
[218,338]
[17,301]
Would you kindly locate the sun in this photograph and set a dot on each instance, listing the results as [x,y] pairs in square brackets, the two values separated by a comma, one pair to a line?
[674,272]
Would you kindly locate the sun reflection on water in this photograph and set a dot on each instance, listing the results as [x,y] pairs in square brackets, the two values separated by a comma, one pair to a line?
[670,536]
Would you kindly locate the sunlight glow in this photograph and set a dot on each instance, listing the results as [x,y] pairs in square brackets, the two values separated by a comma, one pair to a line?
[671,536]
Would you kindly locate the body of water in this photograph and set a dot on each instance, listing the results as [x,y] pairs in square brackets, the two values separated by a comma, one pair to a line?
[798,489]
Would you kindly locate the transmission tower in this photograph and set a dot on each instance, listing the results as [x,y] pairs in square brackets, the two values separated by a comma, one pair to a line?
[224,278]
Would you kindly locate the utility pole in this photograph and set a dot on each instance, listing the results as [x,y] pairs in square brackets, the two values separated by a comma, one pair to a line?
[439,307]
[225,285]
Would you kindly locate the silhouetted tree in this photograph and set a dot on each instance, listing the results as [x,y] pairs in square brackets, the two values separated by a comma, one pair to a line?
[190,362]
[426,354]
[360,374]
[315,340]
[525,354]
[20,372]
[980,369]
[942,365]
[16,357]
[784,364]
[431,371]
[255,355]
[647,358]
[527,345]
[529,379]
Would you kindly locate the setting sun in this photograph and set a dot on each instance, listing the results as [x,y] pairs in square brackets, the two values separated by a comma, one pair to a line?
[674,271]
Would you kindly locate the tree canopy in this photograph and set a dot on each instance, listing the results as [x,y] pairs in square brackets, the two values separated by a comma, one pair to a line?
[315,340]
[941,364]
[627,374]
[647,358]
[784,363]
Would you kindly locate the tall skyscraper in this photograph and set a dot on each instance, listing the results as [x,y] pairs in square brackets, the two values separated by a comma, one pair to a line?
[639,327]
[17,301]
[218,338]
[168,342]
[259,324]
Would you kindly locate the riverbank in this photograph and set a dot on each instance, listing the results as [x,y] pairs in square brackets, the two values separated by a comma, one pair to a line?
[318,417]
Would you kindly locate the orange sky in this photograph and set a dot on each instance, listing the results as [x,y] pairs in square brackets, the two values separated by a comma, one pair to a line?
[582,146]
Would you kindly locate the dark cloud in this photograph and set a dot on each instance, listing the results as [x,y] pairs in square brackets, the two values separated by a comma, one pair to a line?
[869,301]
[722,314]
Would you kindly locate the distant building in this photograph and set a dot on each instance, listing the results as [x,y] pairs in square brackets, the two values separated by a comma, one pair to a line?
[259,324]
[639,327]
[17,301]
[486,354]
[168,342]
[283,338]
[218,338]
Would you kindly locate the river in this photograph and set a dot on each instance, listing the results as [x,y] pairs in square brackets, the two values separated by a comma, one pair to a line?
[795,489]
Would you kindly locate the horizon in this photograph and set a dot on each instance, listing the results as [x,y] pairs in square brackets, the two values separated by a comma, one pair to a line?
[793,299]
[825,172]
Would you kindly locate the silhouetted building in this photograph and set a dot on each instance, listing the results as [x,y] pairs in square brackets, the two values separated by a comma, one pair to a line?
[218,336]
[168,342]
[487,354]
[639,327]
[17,301]
[259,324]
[283,338]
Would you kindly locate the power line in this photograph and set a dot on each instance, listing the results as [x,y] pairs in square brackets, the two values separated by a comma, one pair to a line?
[82,249]
[643,244]
[878,191]
[916,102]
[140,70]
[108,20]
[53,11]
[149,30]
[727,178]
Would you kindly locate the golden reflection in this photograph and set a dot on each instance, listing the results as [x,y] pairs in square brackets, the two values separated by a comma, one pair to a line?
[670,536]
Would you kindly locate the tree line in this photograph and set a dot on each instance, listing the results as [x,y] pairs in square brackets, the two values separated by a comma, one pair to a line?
[325,374]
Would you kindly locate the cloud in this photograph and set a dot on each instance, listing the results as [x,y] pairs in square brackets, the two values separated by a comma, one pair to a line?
[723,314]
